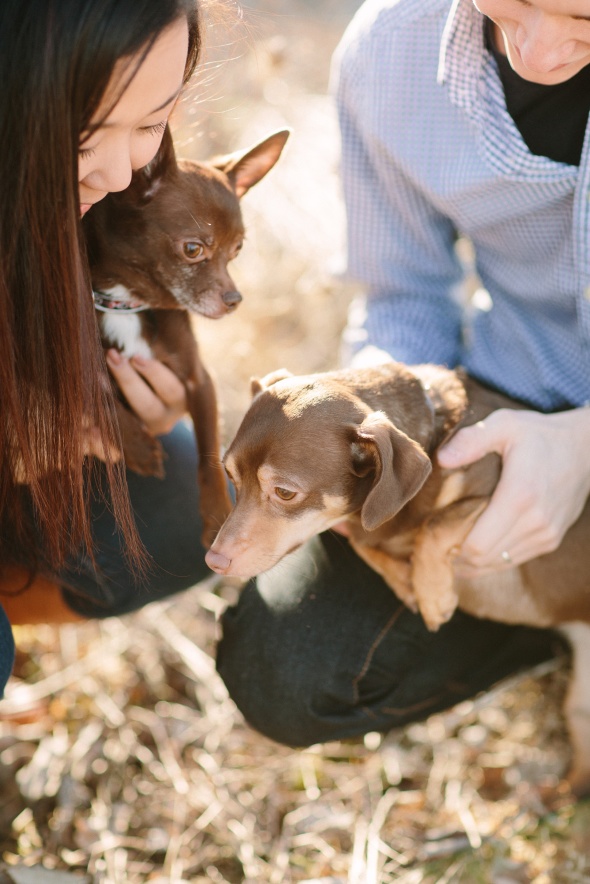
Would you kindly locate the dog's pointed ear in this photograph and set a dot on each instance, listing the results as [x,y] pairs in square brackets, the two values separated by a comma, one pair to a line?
[247,167]
[258,385]
[400,464]
[145,182]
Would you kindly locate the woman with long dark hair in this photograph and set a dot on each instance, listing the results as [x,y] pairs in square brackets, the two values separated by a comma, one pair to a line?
[87,89]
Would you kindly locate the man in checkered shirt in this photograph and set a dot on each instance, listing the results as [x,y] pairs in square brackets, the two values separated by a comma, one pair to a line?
[457,123]
[459,120]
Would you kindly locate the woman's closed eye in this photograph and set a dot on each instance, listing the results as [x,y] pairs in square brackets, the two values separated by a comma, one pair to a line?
[156,129]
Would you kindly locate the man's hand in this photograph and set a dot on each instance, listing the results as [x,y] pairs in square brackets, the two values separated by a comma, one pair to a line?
[543,487]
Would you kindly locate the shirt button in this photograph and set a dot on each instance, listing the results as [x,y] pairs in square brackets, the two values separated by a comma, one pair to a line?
[587,293]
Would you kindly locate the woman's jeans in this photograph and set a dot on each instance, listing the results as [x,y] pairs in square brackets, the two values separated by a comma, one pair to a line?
[317,649]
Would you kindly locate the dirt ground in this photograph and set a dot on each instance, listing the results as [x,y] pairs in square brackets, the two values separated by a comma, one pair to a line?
[122,759]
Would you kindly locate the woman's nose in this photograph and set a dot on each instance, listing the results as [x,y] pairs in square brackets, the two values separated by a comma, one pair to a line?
[541,43]
[113,170]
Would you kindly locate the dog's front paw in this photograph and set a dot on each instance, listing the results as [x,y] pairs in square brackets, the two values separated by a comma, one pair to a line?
[436,595]
[434,583]
[398,577]
[435,612]
[395,572]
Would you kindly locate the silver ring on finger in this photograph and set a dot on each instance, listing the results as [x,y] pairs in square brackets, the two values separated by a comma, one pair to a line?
[506,557]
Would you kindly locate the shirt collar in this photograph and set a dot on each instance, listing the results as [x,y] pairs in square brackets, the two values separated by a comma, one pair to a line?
[462,53]
[469,73]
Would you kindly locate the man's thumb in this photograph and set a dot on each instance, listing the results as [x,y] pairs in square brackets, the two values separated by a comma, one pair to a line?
[466,446]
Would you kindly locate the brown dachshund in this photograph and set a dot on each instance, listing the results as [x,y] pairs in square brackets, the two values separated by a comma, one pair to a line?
[359,445]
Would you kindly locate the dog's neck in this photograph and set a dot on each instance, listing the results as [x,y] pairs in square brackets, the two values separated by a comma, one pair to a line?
[107,303]
[445,397]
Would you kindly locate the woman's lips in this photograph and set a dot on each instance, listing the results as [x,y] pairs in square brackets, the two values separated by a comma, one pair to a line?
[85,206]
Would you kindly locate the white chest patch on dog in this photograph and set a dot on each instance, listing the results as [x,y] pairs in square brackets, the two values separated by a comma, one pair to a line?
[124,331]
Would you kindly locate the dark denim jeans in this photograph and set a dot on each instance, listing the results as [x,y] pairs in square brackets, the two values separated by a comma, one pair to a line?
[6,650]
[167,517]
[317,649]
[320,649]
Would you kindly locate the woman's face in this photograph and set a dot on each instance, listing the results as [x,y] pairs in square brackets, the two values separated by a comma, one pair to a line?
[131,133]
[546,41]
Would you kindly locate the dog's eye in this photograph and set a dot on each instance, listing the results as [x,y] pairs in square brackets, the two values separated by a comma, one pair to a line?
[284,493]
[193,250]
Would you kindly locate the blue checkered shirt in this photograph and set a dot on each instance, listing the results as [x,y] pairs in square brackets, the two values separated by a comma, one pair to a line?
[430,154]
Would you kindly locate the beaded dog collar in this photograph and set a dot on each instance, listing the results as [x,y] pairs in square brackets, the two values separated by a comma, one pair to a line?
[108,304]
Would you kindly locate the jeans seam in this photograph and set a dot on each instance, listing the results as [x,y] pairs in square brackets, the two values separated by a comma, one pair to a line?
[373,647]
[405,710]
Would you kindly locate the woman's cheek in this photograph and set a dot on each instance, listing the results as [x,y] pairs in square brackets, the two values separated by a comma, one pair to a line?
[145,150]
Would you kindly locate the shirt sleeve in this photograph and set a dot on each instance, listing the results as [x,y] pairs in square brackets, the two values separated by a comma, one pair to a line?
[400,248]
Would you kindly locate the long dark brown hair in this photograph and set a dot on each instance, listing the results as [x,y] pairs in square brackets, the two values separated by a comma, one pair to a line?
[56,59]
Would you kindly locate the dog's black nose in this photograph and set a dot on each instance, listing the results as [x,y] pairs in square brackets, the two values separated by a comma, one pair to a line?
[231,299]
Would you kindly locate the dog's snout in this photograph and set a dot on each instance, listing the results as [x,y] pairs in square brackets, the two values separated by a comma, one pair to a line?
[231,299]
[217,561]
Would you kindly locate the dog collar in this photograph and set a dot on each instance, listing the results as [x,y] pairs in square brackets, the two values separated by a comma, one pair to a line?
[106,304]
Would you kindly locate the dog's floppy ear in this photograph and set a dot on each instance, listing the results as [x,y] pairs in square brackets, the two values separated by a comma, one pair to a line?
[246,167]
[258,385]
[401,468]
[145,182]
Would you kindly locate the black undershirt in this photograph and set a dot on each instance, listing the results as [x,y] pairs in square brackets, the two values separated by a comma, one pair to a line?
[551,119]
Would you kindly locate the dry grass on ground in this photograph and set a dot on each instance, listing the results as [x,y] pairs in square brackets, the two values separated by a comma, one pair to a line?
[123,760]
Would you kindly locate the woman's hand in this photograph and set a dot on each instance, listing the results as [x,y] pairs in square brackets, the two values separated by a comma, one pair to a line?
[542,490]
[153,391]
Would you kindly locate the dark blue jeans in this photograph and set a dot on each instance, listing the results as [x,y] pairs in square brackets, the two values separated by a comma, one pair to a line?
[321,649]
[6,650]
[167,518]
[317,649]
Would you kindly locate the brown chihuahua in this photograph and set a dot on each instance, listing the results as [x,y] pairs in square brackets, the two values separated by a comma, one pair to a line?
[158,252]
[360,445]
